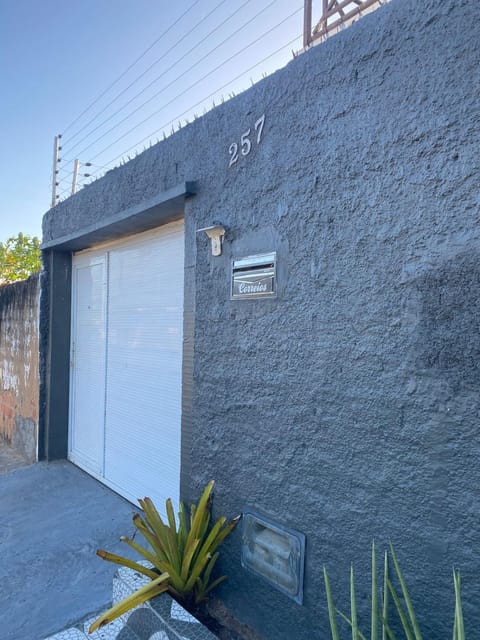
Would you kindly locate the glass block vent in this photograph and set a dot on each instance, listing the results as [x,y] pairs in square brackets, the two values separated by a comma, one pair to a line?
[274,552]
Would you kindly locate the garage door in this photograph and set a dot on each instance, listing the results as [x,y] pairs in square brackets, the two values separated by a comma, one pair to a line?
[126,363]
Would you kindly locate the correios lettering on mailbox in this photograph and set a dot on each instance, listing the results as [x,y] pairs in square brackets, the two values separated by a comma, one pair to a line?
[244,287]
[254,276]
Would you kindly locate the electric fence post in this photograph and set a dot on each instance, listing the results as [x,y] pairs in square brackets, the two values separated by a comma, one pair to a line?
[76,166]
[56,160]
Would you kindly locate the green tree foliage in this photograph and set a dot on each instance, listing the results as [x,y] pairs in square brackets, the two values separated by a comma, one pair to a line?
[19,258]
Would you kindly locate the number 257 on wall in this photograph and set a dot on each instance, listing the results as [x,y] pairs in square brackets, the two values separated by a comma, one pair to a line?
[245,143]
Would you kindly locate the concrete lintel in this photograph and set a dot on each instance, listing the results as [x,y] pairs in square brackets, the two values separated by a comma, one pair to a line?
[164,207]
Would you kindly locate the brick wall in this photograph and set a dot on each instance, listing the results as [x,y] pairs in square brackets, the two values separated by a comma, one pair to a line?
[19,365]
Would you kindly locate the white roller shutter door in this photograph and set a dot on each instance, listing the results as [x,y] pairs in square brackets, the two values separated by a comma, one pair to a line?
[139,426]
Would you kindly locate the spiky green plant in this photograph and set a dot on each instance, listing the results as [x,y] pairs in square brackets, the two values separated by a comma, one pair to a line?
[182,555]
[402,605]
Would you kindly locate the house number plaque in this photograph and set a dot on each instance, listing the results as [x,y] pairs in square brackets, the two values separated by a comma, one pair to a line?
[235,150]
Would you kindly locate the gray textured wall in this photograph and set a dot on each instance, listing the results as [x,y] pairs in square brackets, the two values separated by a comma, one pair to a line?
[348,407]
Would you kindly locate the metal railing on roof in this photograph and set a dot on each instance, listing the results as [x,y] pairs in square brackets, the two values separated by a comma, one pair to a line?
[336,14]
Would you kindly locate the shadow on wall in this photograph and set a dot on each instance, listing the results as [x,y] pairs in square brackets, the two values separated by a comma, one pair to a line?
[449,329]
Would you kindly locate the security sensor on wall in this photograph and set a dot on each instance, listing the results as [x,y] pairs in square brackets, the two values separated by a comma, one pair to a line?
[216,234]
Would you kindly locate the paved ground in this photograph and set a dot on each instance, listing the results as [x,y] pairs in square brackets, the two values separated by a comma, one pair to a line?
[52,519]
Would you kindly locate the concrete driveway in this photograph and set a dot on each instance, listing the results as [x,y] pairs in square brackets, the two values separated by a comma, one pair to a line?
[53,517]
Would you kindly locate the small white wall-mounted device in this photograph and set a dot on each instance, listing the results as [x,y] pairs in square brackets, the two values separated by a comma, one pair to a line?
[216,233]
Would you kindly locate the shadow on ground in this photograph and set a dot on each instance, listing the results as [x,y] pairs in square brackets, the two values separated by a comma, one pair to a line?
[53,517]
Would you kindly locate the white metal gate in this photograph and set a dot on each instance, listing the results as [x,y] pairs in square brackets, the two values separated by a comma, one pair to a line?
[126,363]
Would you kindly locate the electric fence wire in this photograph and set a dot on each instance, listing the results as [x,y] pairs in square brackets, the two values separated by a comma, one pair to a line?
[176,79]
[60,194]
[124,73]
[67,192]
[70,171]
[65,181]
[189,110]
[61,177]
[153,64]
[187,90]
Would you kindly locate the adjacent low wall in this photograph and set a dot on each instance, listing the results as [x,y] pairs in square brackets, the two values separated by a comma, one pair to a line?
[19,365]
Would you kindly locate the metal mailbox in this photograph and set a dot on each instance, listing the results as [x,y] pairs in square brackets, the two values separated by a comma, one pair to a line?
[255,276]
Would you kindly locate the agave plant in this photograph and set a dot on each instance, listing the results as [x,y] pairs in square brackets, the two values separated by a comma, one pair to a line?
[379,618]
[182,555]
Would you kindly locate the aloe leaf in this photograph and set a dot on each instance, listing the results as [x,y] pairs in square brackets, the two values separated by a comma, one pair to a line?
[203,525]
[208,571]
[172,538]
[167,535]
[331,608]
[406,596]
[172,533]
[374,611]
[350,623]
[401,613]
[161,532]
[182,528]
[201,511]
[140,596]
[198,592]
[141,523]
[126,562]
[193,508]
[226,531]
[385,598]
[212,536]
[158,561]
[187,558]
[162,565]
[458,625]
[388,632]
[171,515]
[152,540]
[196,569]
[214,584]
[353,606]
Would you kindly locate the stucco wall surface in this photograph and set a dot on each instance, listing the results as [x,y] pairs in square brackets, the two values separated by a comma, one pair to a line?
[19,309]
[347,407]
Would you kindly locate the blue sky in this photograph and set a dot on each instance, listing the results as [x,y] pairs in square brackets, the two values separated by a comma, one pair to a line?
[57,57]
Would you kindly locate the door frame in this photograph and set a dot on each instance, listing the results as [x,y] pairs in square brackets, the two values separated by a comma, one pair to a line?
[55,312]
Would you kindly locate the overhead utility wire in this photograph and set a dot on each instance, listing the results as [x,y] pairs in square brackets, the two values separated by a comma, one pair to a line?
[164,33]
[200,102]
[185,90]
[219,26]
[177,43]
[164,88]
